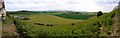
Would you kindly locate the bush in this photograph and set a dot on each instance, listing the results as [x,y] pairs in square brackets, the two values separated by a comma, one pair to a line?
[99,13]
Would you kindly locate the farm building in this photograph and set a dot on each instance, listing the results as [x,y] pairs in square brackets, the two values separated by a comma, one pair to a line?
[21,17]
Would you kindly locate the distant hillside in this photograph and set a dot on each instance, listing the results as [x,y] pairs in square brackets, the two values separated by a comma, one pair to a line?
[39,12]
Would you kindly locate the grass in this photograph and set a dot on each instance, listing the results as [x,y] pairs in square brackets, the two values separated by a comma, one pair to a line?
[8,28]
[0,28]
[62,24]
[47,18]
[74,16]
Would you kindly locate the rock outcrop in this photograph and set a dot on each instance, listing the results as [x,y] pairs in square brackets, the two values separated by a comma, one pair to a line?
[117,6]
[2,15]
[2,10]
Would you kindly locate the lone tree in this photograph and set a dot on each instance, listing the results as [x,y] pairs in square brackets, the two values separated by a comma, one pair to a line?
[99,13]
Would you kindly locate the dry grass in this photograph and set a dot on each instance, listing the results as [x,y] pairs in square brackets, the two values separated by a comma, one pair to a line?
[9,29]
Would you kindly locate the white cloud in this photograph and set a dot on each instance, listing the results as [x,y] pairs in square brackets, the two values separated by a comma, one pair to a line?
[75,5]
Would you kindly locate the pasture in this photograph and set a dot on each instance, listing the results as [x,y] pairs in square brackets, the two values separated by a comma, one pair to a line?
[59,24]
[67,23]
[74,16]
[51,24]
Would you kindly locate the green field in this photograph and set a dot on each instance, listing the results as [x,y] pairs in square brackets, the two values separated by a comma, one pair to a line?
[74,16]
[62,24]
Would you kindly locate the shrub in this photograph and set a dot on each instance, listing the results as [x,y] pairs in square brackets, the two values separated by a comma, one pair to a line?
[99,13]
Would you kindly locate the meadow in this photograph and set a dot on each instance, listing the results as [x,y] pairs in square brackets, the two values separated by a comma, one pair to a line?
[61,24]
[74,16]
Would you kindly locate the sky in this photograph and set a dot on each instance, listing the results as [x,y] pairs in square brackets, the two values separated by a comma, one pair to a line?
[69,5]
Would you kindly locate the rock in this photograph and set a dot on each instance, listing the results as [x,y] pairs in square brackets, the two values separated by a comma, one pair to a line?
[117,6]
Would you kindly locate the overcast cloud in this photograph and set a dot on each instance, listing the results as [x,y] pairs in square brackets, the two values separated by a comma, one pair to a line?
[74,5]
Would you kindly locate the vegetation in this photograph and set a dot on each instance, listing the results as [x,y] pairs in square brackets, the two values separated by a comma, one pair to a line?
[74,16]
[60,24]
[99,13]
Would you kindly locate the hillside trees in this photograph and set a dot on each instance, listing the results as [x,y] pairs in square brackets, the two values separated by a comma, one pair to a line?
[99,13]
